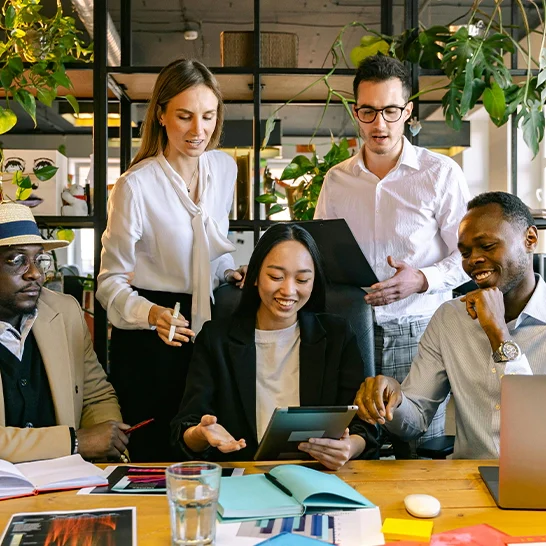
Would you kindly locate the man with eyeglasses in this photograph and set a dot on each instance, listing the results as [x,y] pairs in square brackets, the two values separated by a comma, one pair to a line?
[403,204]
[54,397]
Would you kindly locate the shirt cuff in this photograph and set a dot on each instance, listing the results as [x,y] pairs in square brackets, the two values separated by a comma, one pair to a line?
[434,278]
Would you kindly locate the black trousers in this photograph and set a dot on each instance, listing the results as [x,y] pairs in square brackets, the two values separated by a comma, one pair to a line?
[149,378]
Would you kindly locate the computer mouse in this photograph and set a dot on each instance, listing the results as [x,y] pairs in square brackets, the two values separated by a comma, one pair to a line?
[422,506]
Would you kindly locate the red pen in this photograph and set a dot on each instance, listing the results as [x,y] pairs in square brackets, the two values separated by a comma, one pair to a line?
[139,425]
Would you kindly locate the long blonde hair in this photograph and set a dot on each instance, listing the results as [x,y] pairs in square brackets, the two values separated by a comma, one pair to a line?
[172,80]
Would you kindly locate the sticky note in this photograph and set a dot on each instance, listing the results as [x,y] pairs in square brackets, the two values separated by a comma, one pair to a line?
[407,529]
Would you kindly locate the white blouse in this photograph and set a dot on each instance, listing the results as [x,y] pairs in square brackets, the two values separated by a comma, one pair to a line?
[149,239]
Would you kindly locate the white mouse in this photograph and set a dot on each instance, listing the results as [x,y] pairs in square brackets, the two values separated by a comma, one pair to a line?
[422,506]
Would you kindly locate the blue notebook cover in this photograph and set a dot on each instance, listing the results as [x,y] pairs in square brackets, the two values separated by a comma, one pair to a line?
[255,497]
[290,539]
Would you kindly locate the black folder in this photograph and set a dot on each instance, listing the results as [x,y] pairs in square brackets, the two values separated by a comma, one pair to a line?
[344,262]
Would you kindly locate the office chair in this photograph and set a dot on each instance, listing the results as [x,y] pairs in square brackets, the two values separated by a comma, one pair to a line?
[346,301]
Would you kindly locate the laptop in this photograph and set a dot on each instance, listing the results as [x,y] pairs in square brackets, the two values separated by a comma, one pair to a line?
[344,262]
[519,482]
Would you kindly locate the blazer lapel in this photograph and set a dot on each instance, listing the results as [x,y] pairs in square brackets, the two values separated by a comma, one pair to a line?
[312,359]
[50,334]
[242,352]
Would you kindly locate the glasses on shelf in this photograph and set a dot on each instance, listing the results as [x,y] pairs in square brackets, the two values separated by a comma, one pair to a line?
[391,113]
[19,264]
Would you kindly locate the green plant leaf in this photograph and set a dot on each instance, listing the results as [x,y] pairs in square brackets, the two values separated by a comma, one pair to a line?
[17,178]
[73,102]
[299,166]
[46,96]
[275,208]
[10,17]
[6,77]
[369,45]
[24,182]
[15,64]
[45,173]
[450,106]
[23,193]
[62,79]
[266,198]
[300,203]
[27,101]
[7,120]
[494,102]
[432,41]
[269,126]
[532,125]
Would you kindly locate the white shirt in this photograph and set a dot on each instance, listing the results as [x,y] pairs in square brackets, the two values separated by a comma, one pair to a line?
[455,355]
[14,340]
[277,372]
[412,214]
[148,242]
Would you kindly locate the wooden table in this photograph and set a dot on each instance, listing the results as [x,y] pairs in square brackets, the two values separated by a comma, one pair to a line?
[457,484]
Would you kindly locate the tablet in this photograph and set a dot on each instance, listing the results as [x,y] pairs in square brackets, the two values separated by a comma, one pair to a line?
[290,426]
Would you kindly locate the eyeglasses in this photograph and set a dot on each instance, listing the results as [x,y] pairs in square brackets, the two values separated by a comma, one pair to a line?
[391,114]
[20,263]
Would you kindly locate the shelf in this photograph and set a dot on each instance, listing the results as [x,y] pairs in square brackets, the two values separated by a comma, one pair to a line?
[540,223]
[65,221]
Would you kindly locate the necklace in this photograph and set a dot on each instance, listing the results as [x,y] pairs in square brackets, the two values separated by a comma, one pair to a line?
[192,177]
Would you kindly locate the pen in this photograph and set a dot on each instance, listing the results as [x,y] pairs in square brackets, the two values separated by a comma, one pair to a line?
[278,484]
[175,315]
[139,425]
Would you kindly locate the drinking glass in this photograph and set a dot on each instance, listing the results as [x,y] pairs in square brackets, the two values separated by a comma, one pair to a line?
[192,491]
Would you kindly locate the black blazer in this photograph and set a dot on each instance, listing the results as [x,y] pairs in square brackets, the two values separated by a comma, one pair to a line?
[221,379]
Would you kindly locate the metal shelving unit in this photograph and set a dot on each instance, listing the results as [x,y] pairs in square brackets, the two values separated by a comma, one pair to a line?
[240,85]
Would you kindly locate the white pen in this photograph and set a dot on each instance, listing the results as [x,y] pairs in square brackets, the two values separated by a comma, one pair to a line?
[175,315]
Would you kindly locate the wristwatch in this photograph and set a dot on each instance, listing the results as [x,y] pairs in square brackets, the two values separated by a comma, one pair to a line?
[508,350]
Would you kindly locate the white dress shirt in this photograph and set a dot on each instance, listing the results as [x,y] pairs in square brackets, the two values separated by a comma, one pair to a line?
[412,214]
[277,372]
[149,239]
[13,339]
[455,354]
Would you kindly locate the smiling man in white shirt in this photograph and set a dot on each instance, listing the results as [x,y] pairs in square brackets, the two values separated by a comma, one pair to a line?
[403,204]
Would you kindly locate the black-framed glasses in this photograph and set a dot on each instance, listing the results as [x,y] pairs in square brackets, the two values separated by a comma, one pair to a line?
[391,113]
[19,264]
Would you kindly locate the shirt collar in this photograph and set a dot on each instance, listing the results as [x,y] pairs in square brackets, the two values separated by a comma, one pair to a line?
[14,339]
[535,306]
[408,157]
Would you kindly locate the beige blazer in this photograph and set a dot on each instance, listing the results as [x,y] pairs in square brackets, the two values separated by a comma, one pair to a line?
[81,394]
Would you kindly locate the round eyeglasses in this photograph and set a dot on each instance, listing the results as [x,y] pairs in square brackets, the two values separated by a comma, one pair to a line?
[19,264]
[391,114]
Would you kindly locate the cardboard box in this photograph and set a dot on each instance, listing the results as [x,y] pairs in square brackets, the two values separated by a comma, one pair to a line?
[45,198]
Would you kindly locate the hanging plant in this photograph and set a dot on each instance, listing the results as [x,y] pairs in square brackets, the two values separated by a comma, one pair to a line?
[33,57]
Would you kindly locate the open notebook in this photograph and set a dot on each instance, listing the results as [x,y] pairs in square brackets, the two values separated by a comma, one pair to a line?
[72,472]
[292,491]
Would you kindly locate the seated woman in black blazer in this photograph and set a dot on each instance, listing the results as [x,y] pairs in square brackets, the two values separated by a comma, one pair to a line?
[279,349]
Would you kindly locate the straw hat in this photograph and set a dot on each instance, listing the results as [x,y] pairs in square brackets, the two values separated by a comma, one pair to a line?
[18,227]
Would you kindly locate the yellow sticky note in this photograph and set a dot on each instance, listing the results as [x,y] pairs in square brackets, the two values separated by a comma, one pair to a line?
[407,529]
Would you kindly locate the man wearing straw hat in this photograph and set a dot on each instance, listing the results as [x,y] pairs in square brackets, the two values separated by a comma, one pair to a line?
[54,397]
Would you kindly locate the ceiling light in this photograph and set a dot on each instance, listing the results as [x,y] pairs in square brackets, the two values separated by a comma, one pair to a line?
[191,30]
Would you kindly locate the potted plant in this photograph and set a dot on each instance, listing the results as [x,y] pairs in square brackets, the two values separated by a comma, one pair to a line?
[472,62]
[309,175]
[33,57]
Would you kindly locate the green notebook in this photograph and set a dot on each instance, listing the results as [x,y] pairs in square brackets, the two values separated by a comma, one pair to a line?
[256,497]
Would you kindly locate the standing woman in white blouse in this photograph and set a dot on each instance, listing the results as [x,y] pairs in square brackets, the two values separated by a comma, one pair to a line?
[166,242]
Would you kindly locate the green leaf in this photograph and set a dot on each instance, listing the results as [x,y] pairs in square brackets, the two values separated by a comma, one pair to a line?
[73,102]
[15,64]
[269,126]
[46,96]
[494,102]
[23,181]
[6,77]
[369,45]
[10,17]
[62,79]
[45,173]
[18,33]
[468,88]
[300,203]
[532,125]
[299,166]
[7,120]
[23,193]
[266,198]
[275,208]
[27,101]
[450,106]
[17,178]
[432,42]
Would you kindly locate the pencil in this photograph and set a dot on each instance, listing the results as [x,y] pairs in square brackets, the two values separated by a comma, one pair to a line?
[175,315]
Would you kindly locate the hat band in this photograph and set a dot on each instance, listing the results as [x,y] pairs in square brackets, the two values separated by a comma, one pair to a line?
[18,228]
